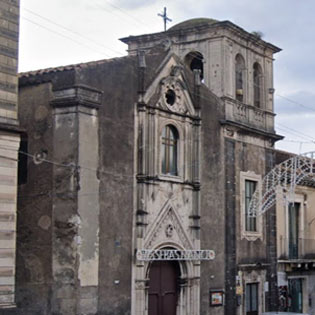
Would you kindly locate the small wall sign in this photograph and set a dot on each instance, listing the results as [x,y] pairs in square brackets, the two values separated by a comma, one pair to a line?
[216,297]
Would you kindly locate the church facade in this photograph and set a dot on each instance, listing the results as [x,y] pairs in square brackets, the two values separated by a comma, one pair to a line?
[140,171]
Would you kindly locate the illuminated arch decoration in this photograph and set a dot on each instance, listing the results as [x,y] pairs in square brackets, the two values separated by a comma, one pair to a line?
[283,178]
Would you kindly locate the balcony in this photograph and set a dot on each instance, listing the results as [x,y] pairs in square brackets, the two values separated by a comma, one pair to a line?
[249,115]
[299,249]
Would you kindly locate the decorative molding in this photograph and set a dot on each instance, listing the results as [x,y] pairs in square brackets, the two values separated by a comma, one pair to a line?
[181,104]
[169,230]
[168,217]
[174,254]
[249,235]
[77,95]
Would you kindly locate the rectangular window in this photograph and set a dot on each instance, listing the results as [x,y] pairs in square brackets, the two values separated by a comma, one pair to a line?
[294,230]
[250,221]
[23,160]
[251,296]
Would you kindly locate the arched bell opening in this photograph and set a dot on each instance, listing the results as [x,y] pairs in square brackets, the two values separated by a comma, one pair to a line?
[194,60]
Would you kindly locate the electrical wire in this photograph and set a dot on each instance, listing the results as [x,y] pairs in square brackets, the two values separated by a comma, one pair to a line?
[297,141]
[84,37]
[71,31]
[294,102]
[73,165]
[66,37]
[137,20]
[297,132]
[116,7]
[113,50]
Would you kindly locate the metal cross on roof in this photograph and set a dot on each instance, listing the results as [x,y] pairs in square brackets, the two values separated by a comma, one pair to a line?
[165,18]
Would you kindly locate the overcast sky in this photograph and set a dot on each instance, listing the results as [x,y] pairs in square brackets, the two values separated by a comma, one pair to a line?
[60,32]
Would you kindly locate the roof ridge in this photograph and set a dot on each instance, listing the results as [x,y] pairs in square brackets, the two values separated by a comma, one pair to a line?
[68,67]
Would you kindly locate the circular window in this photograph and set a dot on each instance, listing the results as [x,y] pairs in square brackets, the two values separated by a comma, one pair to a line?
[170,97]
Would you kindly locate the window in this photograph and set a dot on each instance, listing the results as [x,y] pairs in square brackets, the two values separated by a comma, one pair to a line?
[239,78]
[251,296]
[169,150]
[170,97]
[294,209]
[251,226]
[250,221]
[23,160]
[257,81]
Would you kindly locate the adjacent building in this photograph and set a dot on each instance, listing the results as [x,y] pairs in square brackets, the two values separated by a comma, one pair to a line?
[9,146]
[296,238]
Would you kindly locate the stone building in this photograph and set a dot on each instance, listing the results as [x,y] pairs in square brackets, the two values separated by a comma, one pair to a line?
[238,68]
[296,244]
[136,164]
[9,146]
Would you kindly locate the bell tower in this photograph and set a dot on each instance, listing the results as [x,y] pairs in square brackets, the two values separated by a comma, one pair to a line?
[237,66]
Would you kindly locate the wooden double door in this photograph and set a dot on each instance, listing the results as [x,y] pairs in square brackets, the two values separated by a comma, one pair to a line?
[163,287]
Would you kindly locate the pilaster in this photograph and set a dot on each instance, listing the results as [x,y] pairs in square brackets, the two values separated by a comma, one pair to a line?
[76,201]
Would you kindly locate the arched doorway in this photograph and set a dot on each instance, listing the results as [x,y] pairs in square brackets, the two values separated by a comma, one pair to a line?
[163,287]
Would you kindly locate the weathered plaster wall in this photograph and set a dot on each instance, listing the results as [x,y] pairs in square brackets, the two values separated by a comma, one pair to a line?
[118,81]
[34,226]
[62,237]
[88,211]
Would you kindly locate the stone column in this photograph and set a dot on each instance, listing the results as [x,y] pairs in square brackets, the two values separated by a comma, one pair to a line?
[76,201]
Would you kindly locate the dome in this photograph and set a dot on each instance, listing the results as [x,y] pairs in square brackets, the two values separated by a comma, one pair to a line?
[193,23]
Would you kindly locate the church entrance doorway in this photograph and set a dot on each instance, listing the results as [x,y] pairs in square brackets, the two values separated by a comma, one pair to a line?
[163,287]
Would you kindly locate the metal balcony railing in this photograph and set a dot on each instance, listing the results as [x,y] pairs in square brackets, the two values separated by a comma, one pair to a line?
[249,115]
[301,248]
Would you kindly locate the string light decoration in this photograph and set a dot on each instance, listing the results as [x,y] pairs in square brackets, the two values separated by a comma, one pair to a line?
[282,180]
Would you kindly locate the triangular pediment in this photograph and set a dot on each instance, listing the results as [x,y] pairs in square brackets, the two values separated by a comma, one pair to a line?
[167,229]
[170,79]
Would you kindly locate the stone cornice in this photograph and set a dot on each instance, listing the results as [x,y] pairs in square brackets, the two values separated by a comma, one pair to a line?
[202,28]
[77,95]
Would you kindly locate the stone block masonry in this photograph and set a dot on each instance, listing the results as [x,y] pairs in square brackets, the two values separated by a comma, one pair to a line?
[9,146]
[9,34]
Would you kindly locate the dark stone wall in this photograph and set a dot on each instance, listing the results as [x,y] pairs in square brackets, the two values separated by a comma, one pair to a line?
[34,225]
[249,157]
[271,249]
[261,253]
[39,289]
[212,201]
[230,228]
[118,81]
[36,194]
